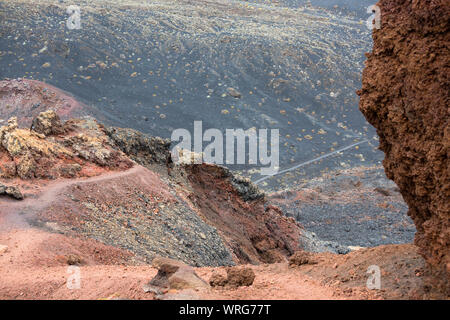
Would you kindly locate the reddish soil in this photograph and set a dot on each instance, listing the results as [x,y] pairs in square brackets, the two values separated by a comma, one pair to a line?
[35,267]
[35,263]
[42,193]
[32,268]
[25,99]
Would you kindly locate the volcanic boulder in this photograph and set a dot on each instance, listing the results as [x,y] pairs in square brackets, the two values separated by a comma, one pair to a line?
[236,277]
[405,96]
[11,191]
[240,276]
[173,274]
[300,258]
[47,123]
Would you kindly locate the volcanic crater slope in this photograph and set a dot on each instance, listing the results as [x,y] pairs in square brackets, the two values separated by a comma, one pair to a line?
[156,66]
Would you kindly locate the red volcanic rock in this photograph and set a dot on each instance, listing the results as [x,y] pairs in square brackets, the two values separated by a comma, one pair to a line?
[253,231]
[174,274]
[405,96]
[236,277]
[300,258]
[217,218]
[240,276]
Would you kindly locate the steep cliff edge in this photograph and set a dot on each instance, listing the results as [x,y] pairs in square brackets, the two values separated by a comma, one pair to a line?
[405,96]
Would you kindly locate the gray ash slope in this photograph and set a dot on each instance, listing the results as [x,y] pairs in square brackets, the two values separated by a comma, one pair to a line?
[157,66]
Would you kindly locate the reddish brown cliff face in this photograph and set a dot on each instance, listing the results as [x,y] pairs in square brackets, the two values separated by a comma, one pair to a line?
[254,231]
[405,95]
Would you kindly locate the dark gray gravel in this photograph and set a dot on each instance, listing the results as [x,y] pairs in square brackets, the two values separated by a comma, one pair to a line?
[348,223]
[358,207]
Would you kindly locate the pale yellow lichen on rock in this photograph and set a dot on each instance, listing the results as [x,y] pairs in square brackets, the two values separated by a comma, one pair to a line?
[51,149]
[20,141]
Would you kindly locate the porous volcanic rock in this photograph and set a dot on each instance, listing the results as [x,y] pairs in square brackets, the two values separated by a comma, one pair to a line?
[134,210]
[236,277]
[206,215]
[47,123]
[203,215]
[140,147]
[240,276]
[300,258]
[405,96]
[11,191]
[218,280]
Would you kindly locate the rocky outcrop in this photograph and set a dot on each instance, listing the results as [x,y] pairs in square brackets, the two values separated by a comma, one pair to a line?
[244,187]
[236,277]
[51,149]
[252,230]
[11,191]
[206,215]
[47,123]
[405,96]
[141,148]
[137,211]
